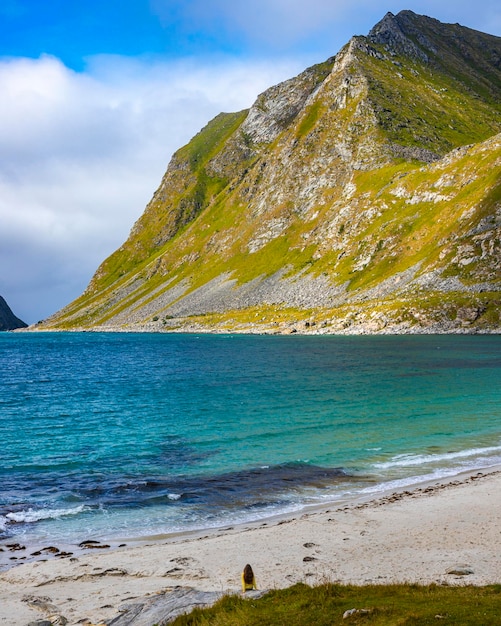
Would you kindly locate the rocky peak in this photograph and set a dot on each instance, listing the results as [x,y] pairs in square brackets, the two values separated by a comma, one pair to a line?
[392,32]
[468,56]
[8,321]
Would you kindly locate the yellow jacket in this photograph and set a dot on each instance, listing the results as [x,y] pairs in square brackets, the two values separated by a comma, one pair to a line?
[248,586]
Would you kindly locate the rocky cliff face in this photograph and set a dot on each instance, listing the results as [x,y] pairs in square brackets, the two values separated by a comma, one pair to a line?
[363,195]
[8,321]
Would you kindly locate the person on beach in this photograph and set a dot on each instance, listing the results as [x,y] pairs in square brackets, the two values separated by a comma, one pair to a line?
[248,579]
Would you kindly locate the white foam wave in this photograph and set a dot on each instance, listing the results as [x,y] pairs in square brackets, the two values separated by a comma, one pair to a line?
[434,475]
[409,481]
[410,460]
[30,516]
[174,496]
[3,523]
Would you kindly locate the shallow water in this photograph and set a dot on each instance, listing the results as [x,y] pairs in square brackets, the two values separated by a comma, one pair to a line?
[126,435]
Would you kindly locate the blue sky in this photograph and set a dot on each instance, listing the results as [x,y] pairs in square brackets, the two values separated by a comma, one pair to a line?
[98,94]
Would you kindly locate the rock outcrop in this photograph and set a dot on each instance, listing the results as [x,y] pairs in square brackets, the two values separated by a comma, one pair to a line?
[364,195]
[8,321]
[164,607]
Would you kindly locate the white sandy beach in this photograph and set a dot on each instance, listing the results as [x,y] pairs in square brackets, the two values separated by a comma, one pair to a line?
[416,536]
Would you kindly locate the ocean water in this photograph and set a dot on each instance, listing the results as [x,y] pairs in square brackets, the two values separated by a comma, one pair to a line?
[118,436]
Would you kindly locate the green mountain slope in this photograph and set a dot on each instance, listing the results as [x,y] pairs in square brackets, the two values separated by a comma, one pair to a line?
[361,196]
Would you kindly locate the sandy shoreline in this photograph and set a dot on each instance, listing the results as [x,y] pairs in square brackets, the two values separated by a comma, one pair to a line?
[413,536]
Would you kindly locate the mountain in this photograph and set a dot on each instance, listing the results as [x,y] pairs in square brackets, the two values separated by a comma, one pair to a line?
[8,321]
[363,195]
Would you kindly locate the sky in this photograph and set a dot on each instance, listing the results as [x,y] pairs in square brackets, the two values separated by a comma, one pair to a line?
[96,96]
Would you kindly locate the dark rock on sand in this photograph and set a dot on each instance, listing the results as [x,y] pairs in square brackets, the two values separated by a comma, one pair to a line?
[92,544]
[460,570]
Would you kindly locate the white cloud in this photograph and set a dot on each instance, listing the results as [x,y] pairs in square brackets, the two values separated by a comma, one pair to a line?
[82,153]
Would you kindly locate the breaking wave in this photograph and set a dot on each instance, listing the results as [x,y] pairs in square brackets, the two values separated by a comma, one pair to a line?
[411,460]
[31,516]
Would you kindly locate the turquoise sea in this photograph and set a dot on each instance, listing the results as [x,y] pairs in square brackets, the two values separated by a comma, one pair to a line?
[117,436]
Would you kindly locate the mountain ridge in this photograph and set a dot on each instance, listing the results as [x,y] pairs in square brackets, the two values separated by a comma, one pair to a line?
[339,195]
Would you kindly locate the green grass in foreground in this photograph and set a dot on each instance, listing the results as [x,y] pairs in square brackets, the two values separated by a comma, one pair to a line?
[388,605]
